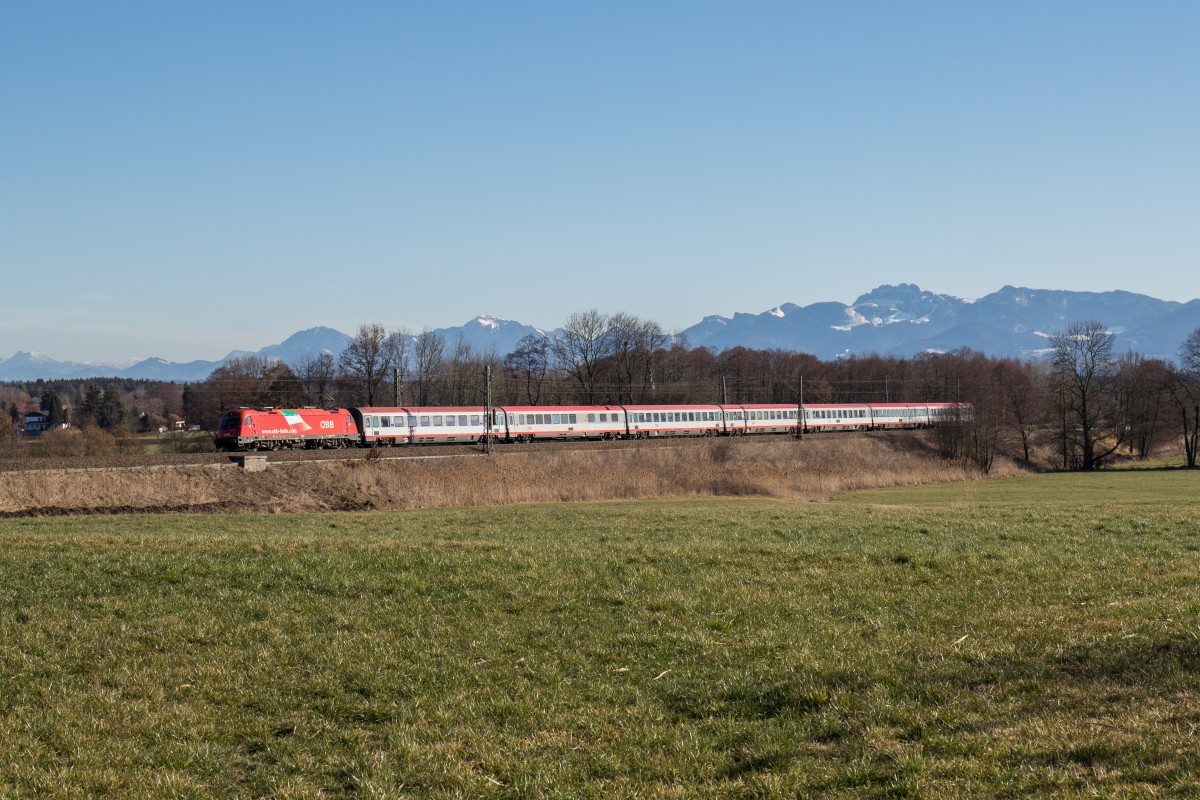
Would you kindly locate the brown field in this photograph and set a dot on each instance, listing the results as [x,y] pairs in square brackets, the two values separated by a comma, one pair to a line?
[778,468]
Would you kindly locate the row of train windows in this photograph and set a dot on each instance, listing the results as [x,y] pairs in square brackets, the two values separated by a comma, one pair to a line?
[770,415]
[845,413]
[550,419]
[425,421]
[674,416]
[761,415]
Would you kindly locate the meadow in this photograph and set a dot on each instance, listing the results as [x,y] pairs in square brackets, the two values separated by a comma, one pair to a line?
[1026,637]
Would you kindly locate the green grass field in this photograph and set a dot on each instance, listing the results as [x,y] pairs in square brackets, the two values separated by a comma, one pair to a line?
[1017,638]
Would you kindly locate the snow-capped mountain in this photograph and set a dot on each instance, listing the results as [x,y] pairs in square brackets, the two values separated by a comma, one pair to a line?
[891,320]
[487,334]
[300,345]
[904,320]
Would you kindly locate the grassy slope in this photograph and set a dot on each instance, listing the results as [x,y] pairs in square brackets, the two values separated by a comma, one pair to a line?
[1016,638]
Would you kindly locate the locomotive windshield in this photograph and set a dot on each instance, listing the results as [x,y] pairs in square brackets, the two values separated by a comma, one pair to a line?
[230,420]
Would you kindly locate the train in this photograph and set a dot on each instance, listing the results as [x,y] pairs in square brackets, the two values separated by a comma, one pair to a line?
[269,428]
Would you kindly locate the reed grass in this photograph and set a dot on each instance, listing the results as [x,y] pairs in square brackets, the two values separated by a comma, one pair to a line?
[778,468]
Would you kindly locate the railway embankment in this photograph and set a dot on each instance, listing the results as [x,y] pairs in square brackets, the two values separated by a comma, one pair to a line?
[780,468]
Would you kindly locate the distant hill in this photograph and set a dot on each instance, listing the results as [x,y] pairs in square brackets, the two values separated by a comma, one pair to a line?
[897,320]
[904,320]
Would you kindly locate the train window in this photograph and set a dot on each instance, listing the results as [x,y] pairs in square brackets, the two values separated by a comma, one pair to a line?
[437,421]
[424,421]
[538,419]
[554,419]
[591,417]
[574,418]
[412,421]
[521,419]
[385,422]
[462,419]
[616,417]
[450,419]
[475,418]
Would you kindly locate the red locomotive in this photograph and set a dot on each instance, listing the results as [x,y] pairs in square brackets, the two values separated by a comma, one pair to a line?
[275,428]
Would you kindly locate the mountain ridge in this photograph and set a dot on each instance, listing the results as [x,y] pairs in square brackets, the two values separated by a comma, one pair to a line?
[899,320]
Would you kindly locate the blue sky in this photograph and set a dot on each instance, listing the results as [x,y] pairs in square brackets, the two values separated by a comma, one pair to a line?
[183,179]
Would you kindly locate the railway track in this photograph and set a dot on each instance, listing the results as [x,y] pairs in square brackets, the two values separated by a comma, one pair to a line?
[24,464]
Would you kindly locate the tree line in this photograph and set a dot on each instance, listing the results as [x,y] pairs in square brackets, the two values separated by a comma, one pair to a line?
[111,404]
[1075,408]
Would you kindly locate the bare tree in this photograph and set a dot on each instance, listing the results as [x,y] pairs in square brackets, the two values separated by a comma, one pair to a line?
[429,355]
[400,344]
[528,364]
[1183,387]
[462,373]
[367,361]
[1141,393]
[578,350]
[1022,400]
[316,372]
[1084,372]
[242,381]
[635,345]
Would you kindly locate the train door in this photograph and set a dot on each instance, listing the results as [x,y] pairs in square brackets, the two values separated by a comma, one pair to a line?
[498,424]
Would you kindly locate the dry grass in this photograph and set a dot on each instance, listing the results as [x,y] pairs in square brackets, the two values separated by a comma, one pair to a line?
[779,468]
